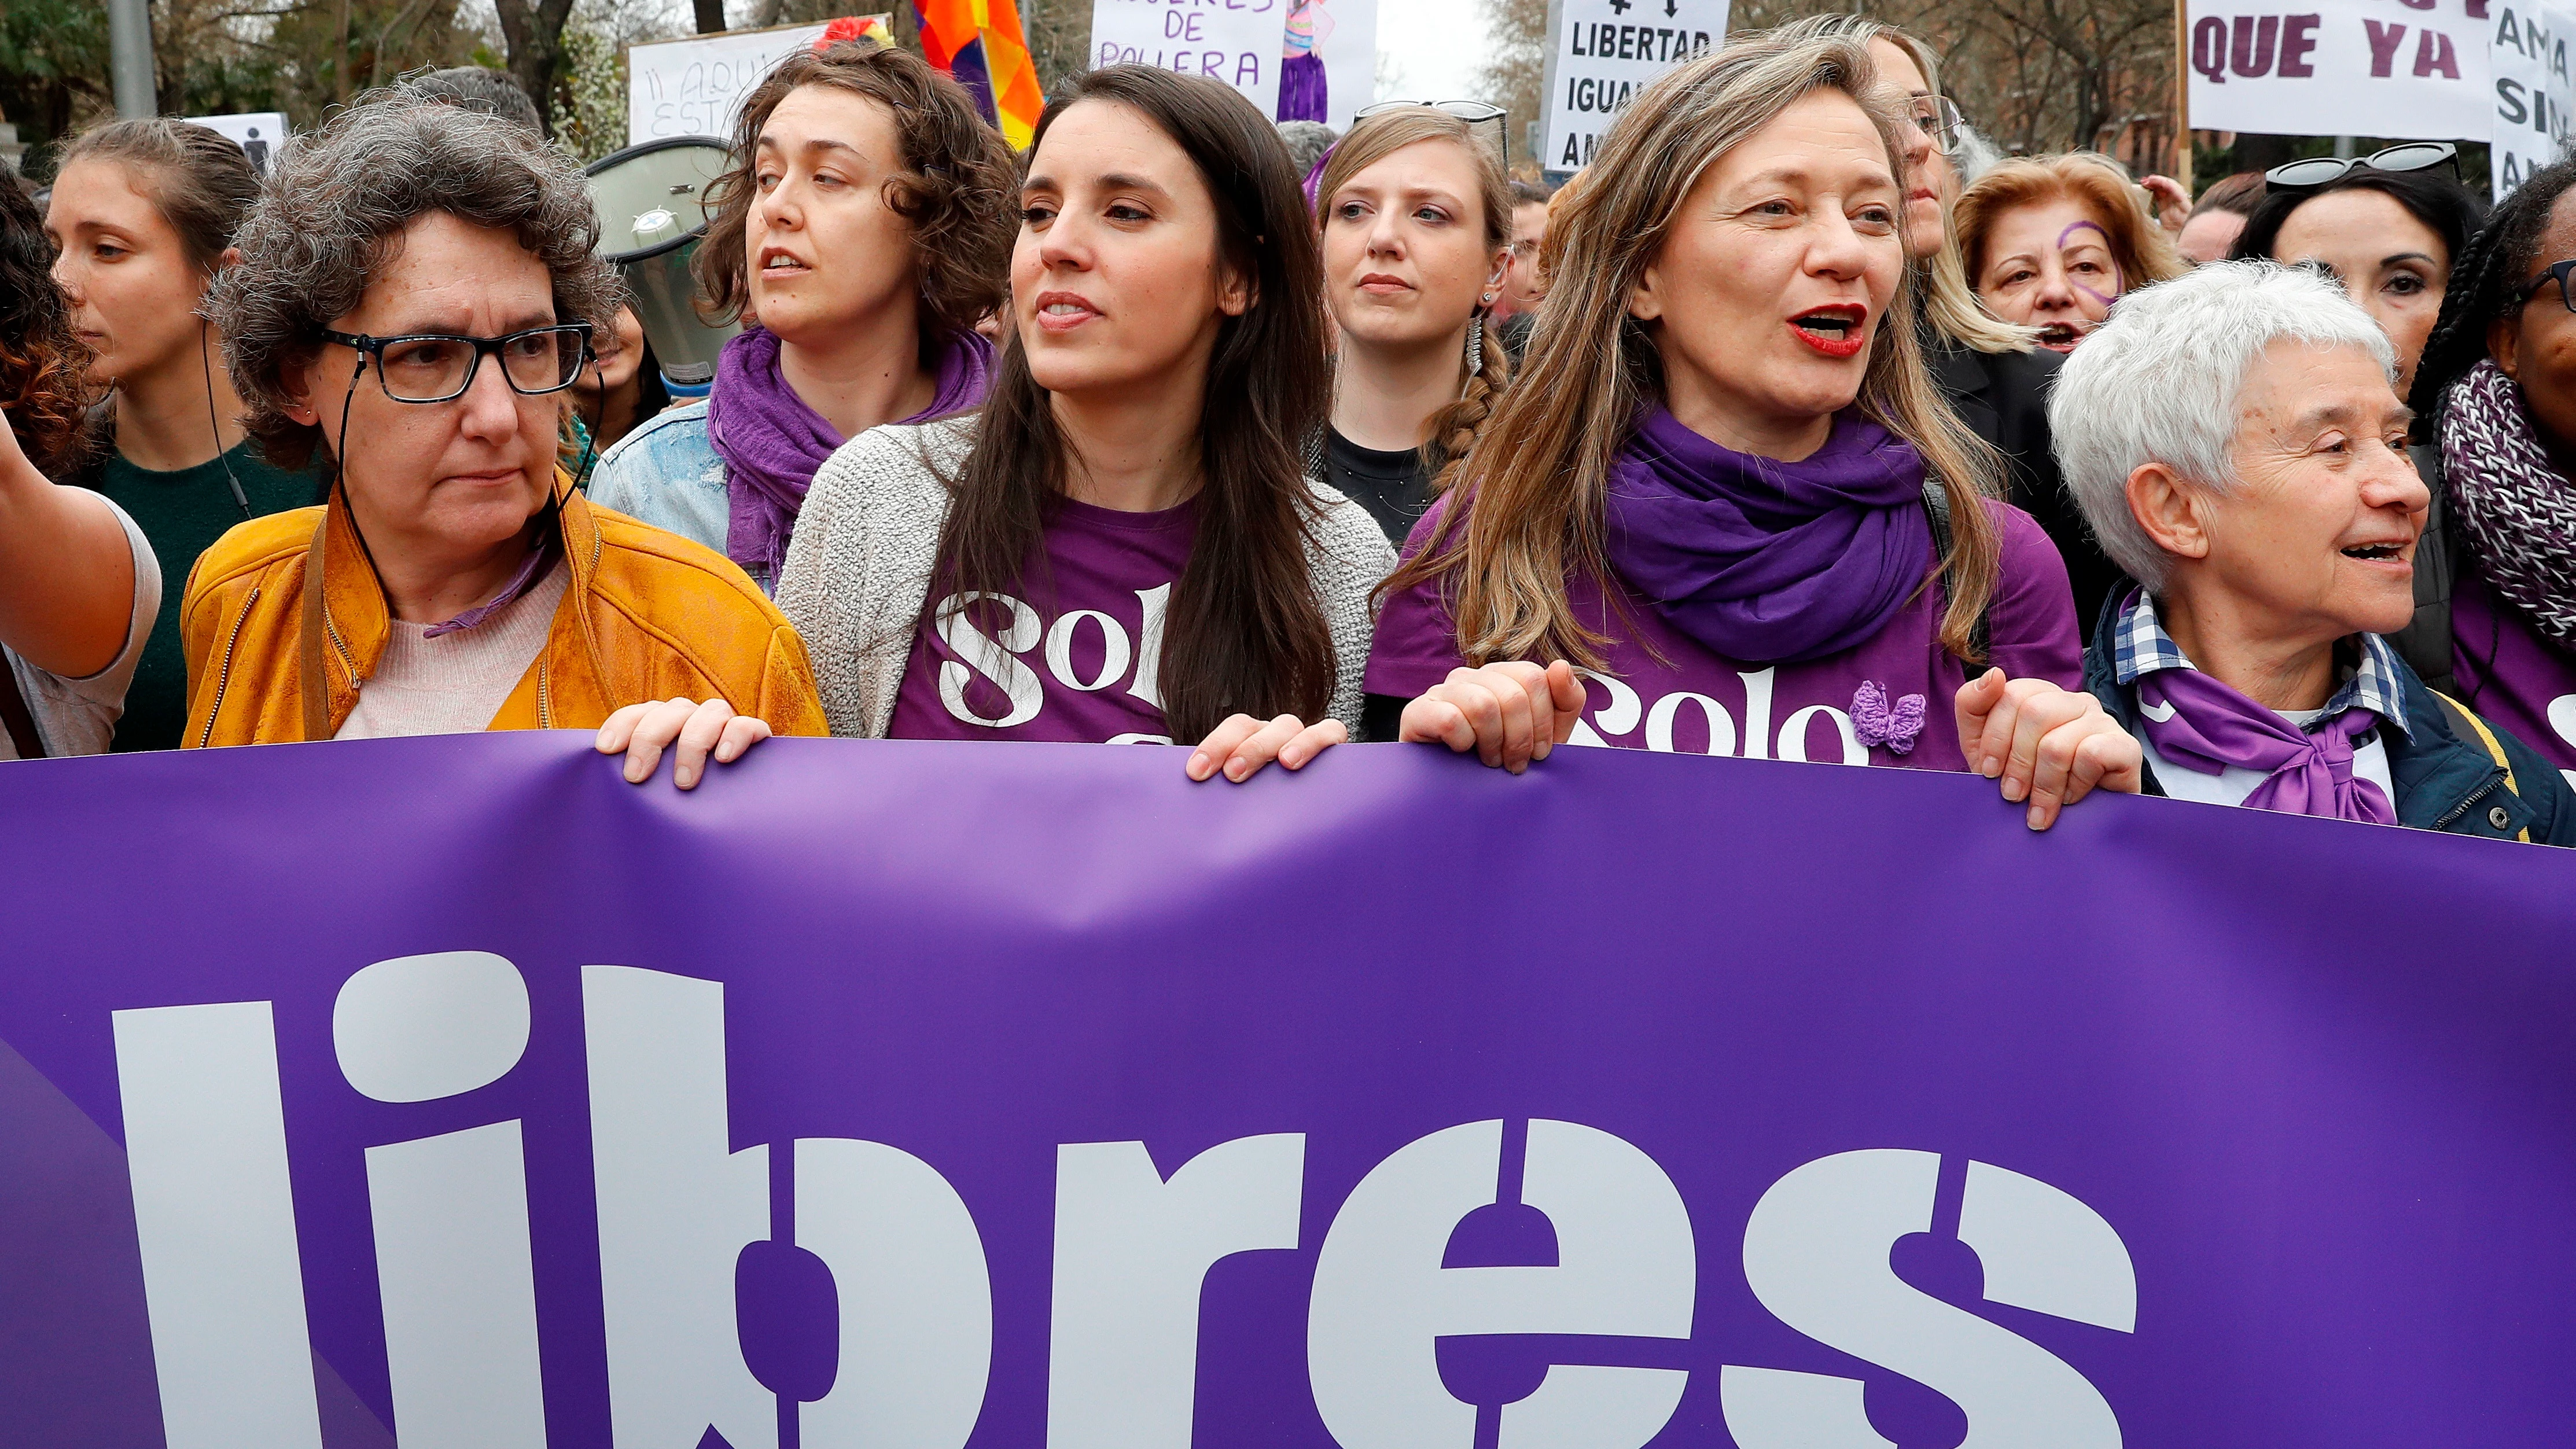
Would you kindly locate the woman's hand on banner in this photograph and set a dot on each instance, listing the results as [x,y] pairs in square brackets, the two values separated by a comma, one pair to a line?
[691,730]
[1509,714]
[1239,747]
[2048,745]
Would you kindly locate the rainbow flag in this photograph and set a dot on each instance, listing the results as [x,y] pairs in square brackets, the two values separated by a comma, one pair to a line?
[981,44]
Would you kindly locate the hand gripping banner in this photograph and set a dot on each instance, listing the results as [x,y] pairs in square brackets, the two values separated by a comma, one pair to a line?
[454,1092]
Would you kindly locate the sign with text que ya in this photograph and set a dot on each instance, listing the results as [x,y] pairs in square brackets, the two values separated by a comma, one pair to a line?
[2528,51]
[694,86]
[1235,41]
[1603,53]
[2341,67]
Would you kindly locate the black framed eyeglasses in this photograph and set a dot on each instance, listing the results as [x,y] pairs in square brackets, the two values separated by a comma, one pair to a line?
[2557,273]
[436,367]
[1474,113]
[2318,171]
[1937,117]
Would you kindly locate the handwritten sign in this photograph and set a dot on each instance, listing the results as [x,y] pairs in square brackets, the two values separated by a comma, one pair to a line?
[2528,52]
[2348,67]
[695,86]
[1605,52]
[1239,42]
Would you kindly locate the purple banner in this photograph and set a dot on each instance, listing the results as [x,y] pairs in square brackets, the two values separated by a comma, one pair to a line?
[939,1095]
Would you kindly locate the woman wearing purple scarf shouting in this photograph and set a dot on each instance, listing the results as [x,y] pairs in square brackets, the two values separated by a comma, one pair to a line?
[1120,548]
[2235,441]
[863,231]
[1724,496]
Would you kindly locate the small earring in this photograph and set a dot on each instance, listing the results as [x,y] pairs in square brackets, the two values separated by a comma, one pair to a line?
[1488,299]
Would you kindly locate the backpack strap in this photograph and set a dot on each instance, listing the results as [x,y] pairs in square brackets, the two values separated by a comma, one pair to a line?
[1936,511]
[2465,723]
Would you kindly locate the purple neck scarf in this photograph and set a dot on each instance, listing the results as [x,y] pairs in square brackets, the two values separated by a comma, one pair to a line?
[2200,724]
[1764,561]
[771,442]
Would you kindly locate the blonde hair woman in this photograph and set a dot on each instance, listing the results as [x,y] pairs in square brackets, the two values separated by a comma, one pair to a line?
[2051,242]
[1725,485]
[1416,223]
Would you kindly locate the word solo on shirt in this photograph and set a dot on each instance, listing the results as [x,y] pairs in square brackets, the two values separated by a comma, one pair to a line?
[1132,660]
[1686,722]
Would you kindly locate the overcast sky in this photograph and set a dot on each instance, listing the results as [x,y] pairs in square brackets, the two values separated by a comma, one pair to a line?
[1431,47]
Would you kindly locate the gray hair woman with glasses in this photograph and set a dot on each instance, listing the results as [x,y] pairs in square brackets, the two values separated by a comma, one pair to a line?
[415,295]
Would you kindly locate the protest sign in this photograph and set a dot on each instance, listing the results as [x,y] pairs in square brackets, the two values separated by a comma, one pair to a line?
[950,1094]
[2527,51]
[2341,67]
[258,133]
[1602,53]
[694,86]
[1340,37]
[1240,42]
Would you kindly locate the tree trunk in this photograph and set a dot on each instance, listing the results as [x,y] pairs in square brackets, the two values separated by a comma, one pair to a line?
[710,16]
[534,37]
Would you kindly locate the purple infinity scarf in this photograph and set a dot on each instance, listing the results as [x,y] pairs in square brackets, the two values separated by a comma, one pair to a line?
[1764,561]
[771,442]
[2206,726]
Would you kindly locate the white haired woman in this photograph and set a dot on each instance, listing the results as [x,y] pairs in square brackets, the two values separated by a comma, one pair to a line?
[1726,487]
[2235,438]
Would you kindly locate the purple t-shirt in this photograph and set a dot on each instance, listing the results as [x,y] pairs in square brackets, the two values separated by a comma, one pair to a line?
[1074,661]
[2510,673]
[1694,701]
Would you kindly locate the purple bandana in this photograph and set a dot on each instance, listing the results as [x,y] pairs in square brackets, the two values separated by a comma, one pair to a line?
[772,443]
[541,560]
[2201,724]
[1764,561]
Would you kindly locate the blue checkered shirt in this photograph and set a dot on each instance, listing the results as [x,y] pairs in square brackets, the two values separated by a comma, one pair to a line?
[2140,646]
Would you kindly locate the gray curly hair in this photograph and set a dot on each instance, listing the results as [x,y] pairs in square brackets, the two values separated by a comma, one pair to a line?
[335,204]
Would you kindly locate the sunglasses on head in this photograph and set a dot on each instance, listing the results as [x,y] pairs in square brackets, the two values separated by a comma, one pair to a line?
[2318,171]
[1474,113]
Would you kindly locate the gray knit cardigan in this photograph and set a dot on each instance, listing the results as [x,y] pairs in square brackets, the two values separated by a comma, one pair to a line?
[858,568]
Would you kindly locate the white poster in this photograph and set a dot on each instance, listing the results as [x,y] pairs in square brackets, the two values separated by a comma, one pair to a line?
[1343,35]
[2342,67]
[1605,51]
[258,133]
[694,86]
[1239,42]
[2528,52]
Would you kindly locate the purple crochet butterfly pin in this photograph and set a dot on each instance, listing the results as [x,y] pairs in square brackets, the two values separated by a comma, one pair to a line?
[1875,723]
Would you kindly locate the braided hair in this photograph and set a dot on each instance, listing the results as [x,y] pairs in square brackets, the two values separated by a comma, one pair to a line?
[2487,280]
[1454,428]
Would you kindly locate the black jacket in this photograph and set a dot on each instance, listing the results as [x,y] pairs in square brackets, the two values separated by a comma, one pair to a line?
[2444,782]
[2003,398]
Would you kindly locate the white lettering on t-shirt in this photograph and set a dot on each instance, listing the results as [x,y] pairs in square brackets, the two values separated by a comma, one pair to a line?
[1059,650]
[2562,718]
[1663,717]
[1149,649]
[991,658]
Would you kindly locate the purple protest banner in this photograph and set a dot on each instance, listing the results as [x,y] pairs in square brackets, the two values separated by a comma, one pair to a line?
[930,1095]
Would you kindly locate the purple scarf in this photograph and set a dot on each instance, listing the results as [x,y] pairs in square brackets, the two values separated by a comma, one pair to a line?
[2207,727]
[1764,561]
[771,442]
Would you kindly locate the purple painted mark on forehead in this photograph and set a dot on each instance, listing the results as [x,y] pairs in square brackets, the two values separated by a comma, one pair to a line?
[2118,281]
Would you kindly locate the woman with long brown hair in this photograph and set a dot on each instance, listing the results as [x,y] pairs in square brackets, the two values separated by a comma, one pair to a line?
[1120,548]
[1416,221]
[1725,485]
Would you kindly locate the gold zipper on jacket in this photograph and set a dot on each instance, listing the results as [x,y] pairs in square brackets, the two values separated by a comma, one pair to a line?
[224,675]
[545,702]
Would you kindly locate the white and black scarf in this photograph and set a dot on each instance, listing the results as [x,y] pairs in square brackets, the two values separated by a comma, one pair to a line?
[2516,512]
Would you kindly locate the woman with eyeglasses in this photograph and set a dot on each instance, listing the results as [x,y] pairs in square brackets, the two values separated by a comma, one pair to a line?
[2384,226]
[2495,395]
[862,233]
[1724,510]
[1993,373]
[1415,220]
[413,302]
[1122,547]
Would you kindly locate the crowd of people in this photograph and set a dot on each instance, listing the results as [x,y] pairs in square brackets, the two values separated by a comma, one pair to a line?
[1798,426]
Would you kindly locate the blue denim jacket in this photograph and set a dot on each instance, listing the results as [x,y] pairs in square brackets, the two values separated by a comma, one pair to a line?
[667,474]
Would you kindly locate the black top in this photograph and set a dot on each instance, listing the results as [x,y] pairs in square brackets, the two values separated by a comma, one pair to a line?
[2003,398]
[1394,487]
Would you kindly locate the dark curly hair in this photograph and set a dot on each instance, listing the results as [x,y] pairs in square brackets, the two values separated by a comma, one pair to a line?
[957,188]
[2488,277]
[337,202]
[41,362]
